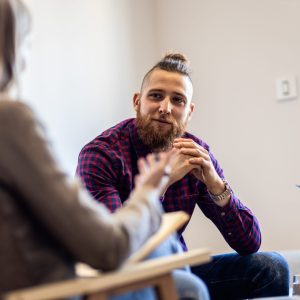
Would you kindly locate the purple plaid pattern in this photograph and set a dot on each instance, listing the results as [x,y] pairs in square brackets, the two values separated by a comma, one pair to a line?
[107,165]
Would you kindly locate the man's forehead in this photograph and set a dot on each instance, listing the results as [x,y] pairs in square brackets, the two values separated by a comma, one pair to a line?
[161,78]
[162,75]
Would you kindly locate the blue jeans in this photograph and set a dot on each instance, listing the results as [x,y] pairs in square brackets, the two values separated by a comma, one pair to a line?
[188,286]
[231,276]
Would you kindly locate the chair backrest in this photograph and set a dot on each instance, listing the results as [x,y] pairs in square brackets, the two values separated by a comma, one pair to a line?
[155,272]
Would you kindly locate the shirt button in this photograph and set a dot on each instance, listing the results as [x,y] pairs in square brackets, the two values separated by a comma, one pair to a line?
[229,233]
[222,214]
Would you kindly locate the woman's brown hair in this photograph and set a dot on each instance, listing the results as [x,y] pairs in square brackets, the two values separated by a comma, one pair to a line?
[14,25]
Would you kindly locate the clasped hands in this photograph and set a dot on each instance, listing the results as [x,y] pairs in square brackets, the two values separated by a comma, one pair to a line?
[161,170]
[194,158]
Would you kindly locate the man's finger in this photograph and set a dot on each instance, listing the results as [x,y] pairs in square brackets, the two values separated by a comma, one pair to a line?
[194,152]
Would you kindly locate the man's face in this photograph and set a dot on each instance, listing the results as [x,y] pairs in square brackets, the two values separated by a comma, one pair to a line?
[163,108]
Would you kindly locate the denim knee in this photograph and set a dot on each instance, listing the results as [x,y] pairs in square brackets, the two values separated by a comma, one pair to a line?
[189,286]
[275,263]
[274,268]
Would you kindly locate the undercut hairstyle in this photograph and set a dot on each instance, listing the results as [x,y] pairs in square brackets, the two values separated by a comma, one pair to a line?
[15,24]
[171,62]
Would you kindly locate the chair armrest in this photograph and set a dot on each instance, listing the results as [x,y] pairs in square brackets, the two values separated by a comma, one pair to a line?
[171,222]
[129,274]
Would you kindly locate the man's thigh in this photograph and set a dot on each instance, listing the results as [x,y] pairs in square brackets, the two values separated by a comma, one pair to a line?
[237,277]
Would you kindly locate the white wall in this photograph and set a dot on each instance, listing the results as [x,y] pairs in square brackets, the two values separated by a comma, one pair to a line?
[88,58]
[84,63]
[238,49]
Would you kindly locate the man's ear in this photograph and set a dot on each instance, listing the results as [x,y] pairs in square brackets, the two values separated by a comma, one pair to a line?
[136,101]
[192,108]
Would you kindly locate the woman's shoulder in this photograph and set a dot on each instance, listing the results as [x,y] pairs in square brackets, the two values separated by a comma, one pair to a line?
[16,118]
[11,110]
[7,105]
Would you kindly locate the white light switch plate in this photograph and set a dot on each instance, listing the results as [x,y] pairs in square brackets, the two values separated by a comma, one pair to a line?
[286,88]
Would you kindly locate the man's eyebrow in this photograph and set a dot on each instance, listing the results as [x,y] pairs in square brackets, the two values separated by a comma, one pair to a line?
[156,90]
[180,94]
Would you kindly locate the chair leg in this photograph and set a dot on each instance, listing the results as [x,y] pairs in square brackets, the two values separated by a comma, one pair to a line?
[165,288]
[97,296]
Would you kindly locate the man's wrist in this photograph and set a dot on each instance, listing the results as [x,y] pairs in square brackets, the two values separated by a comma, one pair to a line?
[217,188]
[224,196]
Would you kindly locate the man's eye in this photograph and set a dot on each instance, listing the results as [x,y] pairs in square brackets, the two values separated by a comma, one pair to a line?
[155,96]
[178,100]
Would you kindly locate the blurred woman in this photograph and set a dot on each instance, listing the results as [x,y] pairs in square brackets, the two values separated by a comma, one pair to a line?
[47,223]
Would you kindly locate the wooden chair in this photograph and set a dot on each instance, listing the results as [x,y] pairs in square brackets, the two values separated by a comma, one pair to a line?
[134,275]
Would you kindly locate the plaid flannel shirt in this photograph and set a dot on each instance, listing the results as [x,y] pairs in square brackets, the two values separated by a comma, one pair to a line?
[108,164]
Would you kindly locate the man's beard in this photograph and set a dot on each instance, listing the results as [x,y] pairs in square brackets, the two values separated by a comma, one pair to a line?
[155,139]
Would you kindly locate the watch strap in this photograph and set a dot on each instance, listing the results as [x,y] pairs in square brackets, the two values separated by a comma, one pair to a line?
[223,195]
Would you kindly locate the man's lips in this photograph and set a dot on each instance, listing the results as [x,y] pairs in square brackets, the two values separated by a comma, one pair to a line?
[162,121]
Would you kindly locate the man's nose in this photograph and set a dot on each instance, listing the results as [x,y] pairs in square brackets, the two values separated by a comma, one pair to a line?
[165,106]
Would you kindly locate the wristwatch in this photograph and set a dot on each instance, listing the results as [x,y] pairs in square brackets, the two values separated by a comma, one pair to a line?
[223,195]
